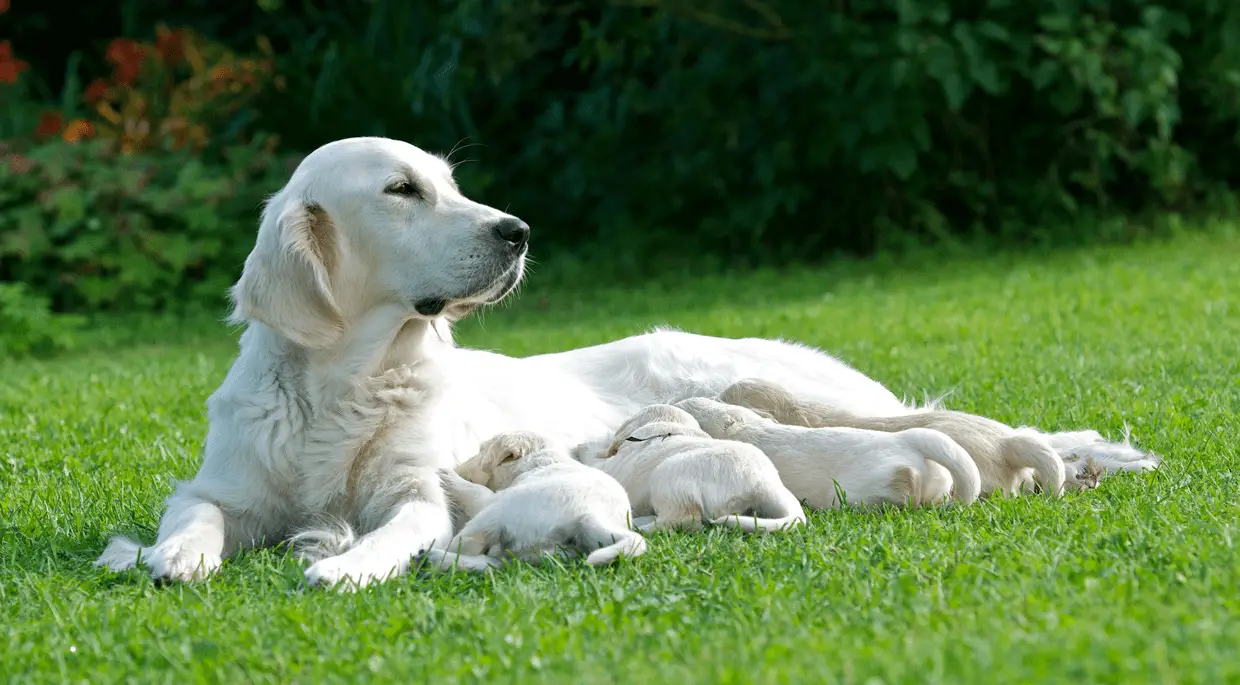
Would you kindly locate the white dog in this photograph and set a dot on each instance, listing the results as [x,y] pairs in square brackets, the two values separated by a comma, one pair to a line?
[1004,456]
[371,223]
[544,502]
[672,469]
[918,466]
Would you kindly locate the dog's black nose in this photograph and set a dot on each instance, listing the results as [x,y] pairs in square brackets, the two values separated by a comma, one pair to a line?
[513,230]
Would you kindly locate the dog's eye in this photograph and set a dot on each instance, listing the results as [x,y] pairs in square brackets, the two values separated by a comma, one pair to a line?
[404,189]
[512,456]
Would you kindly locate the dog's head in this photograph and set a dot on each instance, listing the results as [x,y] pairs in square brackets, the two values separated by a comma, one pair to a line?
[364,222]
[715,417]
[501,459]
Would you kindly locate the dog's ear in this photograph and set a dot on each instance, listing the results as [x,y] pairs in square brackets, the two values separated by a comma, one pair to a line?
[286,282]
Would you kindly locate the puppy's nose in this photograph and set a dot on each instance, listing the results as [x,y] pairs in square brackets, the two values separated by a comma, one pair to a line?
[513,230]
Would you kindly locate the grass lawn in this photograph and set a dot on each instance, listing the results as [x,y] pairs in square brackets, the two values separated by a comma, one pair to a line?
[1136,581]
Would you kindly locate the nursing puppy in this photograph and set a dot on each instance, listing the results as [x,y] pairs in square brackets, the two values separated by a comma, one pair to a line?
[918,465]
[544,502]
[675,471]
[1004,456]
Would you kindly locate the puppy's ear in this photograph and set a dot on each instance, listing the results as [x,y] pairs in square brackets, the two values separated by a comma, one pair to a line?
[286,282]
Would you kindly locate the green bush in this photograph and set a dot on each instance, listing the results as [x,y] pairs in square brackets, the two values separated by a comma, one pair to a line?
[774,129]
[93,230]
[644,131]
[28,325]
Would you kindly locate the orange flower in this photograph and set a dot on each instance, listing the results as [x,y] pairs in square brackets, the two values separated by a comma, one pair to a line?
[78,129]
[10,68]
[96,91]
[49,124]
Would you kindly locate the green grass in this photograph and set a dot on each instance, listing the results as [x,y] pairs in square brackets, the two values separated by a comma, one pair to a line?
[1137,581]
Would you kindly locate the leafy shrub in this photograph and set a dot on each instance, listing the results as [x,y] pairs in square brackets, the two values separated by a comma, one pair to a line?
[98,231]
[739,130]
[780,128]
[148,199]
[28,325]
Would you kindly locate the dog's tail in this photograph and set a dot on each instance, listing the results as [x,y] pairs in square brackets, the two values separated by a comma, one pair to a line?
[774,510]
[942,450]
[1034,452]
[612,542]
[332,538]
[121,554]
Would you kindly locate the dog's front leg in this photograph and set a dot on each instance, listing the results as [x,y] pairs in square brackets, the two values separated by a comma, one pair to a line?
[415,521]
[191,543]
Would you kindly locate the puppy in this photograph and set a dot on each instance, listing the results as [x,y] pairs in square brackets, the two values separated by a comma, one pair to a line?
[544,502]
[673,470]
[918,465]
[1003,455]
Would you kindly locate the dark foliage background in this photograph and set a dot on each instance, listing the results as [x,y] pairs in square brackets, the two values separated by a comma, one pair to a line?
[725,131]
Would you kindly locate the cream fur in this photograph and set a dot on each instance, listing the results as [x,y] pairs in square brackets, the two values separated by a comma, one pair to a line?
[544,503]
[674,471]
[348,393]
[917,466]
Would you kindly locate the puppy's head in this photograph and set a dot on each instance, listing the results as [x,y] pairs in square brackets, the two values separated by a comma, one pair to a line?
[769,400]
[715,417]
[370,221]
[504,457]
[651,422]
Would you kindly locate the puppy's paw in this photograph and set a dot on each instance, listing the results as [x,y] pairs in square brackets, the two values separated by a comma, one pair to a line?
[1082,474]
[1111,457]
[399,387]
[401,376]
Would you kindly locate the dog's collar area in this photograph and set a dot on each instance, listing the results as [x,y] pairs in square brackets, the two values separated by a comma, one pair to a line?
[633,439]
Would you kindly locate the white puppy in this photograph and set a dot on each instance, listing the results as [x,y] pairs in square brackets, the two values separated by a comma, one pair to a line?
[917,465]
[1004,456]
[544,502]
[673,470]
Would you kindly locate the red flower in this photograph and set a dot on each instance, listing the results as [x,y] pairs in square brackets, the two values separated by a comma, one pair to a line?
[96,91]
[4,6]
[10,68]
[169,44]
[126,56]
[49,124]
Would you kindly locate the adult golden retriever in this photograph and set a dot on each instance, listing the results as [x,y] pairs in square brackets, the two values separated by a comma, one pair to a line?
[348,393]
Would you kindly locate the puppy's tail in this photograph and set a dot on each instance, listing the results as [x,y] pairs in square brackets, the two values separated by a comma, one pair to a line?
[612,542]
[121,554]
[774,510]
[942,450]
[1034,452]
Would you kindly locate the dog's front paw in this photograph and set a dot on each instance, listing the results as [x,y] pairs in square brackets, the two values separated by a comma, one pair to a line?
[344,573]
[436,559]
[175,563]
